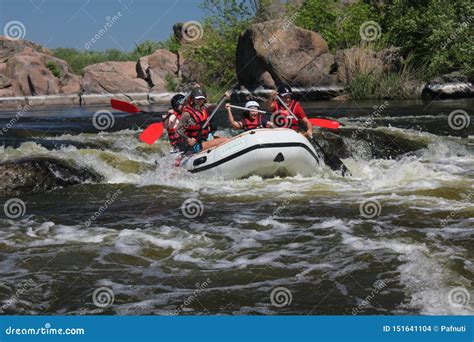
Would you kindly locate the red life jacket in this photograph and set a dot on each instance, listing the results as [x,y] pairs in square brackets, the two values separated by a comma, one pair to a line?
[248,124]
[279,108]
[196,130]
[173,135]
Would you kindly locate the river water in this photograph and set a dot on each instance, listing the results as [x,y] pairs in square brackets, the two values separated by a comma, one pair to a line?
[394,238]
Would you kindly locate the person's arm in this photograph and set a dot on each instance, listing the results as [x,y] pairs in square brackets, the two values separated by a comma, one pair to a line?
[301,115]
[167,118]
[270,102]
[230,117]
[181,129]
[267,123]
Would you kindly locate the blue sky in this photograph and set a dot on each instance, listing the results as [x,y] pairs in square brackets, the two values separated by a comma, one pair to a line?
[73,23]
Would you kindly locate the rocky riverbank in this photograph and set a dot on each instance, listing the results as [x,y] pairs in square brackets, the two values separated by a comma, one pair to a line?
[268,53]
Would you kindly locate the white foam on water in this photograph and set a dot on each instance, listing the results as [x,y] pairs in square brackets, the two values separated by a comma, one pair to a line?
[427,280]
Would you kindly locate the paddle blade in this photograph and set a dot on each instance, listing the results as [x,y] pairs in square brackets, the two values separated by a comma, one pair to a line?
[325,123]
[152,133]
[124,106]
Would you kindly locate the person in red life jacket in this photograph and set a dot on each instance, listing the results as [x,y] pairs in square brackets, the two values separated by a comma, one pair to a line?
[191,126]
[171,121]
[251,118]
[280,112]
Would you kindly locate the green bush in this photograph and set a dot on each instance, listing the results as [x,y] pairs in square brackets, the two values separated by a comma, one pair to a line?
[54,68]
[437,33]
[78,60]
[214,54]
[338,24]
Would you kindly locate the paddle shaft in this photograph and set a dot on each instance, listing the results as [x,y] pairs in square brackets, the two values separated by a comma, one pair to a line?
[214,111]
[331,160]
[253,110]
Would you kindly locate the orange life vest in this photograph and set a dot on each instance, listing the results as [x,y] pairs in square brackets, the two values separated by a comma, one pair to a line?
[248,124]
[173,134]
[199,118]
[279,108]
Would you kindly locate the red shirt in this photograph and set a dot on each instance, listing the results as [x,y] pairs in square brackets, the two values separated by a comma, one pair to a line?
[298,110]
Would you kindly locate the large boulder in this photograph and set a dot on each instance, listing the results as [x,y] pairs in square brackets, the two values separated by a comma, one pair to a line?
[9,48]
[277,51]
[453,85]
[27,69]
[155,68]
[112,77]
[36,73]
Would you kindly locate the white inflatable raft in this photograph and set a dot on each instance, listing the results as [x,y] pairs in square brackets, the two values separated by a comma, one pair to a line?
[262,152]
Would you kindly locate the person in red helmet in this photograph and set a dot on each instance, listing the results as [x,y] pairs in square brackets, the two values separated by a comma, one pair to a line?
[192,126]
[252,119]
[280,112]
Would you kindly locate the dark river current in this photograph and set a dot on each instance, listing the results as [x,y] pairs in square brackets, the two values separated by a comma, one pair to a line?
[91,221]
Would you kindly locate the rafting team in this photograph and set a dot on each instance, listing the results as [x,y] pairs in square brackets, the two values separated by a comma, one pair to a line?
[190,132]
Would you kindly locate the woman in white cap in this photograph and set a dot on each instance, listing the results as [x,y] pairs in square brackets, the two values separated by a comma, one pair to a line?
[252,119]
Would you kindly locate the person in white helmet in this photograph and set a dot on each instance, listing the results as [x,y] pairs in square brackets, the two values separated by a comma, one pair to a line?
[251,118]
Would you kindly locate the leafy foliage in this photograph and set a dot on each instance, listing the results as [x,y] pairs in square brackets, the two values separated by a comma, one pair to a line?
[54,68]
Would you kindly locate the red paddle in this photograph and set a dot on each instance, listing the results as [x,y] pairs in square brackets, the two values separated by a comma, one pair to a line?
[152,133]
[325,123]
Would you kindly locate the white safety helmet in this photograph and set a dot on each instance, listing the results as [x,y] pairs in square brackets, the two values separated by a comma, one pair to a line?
[252,105]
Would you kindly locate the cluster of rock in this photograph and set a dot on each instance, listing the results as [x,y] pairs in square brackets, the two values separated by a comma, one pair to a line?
[268,53]
[277,51]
